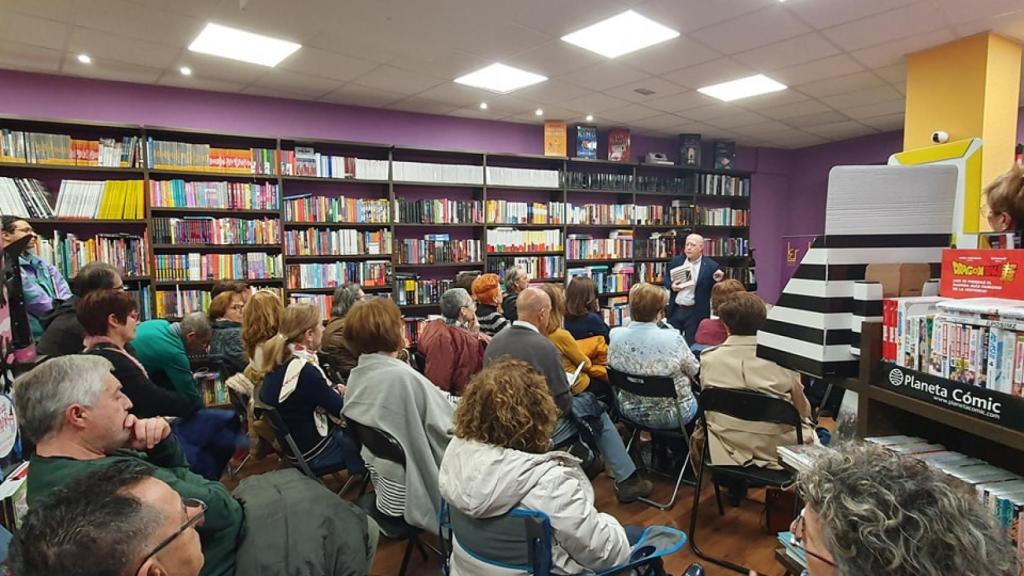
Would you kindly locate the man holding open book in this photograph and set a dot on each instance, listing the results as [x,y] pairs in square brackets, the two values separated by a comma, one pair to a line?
[690,278]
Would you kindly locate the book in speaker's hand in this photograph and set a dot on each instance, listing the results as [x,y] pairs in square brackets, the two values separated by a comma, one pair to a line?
[683,275]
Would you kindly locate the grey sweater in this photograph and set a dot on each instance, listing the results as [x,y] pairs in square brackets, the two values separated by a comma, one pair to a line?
[523,343]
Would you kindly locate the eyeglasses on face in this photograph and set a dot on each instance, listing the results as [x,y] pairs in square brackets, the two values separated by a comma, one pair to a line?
[195,520]
[797,529]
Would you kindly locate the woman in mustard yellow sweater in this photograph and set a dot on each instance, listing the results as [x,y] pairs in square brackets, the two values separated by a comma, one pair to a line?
[572,354]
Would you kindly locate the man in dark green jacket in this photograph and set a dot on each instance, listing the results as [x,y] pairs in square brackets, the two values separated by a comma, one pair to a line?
[74,410]
[163,349]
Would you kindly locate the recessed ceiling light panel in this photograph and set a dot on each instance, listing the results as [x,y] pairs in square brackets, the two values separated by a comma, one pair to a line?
[85,59]
[236,44]
[621,34]
[742,88]
[185,71]
[500,78]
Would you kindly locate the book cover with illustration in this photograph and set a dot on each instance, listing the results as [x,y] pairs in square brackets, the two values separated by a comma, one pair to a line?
[618,144]
[725,155]
[586,142]
[555,138]
[689,150]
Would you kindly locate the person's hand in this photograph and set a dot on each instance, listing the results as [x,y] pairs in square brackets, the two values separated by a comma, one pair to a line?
[340,389]
[473,325]
[718,275]
[677,286]
[146,432]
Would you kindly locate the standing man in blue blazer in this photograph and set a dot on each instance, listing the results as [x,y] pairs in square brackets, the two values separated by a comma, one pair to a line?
[690,303]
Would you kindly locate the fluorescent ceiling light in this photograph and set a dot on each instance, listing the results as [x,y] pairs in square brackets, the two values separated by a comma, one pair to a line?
[742,88]
[500,78]
[483,105]
[590,117]
[622,34]
[538,112]
[85,59]
[185,71]
[238,44]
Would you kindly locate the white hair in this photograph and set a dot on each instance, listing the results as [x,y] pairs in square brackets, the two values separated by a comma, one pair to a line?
[43,393]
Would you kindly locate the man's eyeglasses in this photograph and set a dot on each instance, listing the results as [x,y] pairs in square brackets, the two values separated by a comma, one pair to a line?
[195,520]
[798,539]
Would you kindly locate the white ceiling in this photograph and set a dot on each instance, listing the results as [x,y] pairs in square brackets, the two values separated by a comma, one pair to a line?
[844,59]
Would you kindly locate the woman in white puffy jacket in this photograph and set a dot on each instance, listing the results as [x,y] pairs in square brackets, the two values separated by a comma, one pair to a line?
[499,460]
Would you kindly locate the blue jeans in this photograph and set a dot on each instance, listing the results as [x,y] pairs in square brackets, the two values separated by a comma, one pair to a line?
[609,443]
[340,452]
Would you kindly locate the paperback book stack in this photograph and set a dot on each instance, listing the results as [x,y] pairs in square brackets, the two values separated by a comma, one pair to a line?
[437,173]
[337,209]
[522,177]
[437,249]
[320,241]
[202,267]
[508,212]
[619,214]
[109,200]
[537,267]
[165,155]
[217,195]
[305,161]
[438,211]
[502,240]
[410,288]
[650,272]
[618,245]
[370,273]
[69,253]
[63,150]
[216,231]
[25,197]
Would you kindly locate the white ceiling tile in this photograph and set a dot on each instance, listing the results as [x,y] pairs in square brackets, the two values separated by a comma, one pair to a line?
[552,91]
[794,110]
[357,95]
[629,113]
[864,97]
[473,112]
[752,30]
[135,20]
[553,58]
[51,9]
[690,127]
[895,74]
[720,134]
[273,92]
[493,39]
[593,103]
[110,46]
[674,54]
[895,52]
[422,105]
[816,119]
[394,79]
[841,130]
[768,128]
[1010,25]
[918,18]
[707,113]
[795,139]
[960,11]
[301,84]
[771,100]
[887,108]
[788,53]
[694,14]
[661,122]
[885,123]
[550,114]
[680,102]
[708,73]
[841,85]
[457,94]
[737,121]
[555,18]
[605,75]
[661,88]
[196,83]
[505,105]
[17,56]
[317,62]
[110,70]
[831,67]
[827,13]
[222,69]
[32,30]
[278,19]
[447,65]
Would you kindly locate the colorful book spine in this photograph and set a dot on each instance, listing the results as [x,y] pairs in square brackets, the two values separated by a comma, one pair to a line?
[370,273]
[601,214]
[508,212]
[321,241]
[202,267]
[723,185]
[180,303]
[412,289]
[724,216]
[337,209]
[438,211]
[69,253]
[537,267]
[215,195]
[216,231]
[510,240]
[437,251]
[168,155]
[583,247]
[322,302]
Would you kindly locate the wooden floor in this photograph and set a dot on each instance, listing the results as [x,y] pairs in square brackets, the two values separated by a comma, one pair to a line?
[737,536]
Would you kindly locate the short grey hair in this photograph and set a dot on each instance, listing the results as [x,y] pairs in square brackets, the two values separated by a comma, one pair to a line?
[344,298]
[452,302]
[883,513]
[43,393]
[512,275]
[196,322]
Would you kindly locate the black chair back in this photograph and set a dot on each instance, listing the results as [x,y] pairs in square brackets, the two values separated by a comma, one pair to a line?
[649,386]
[379,443]
[284,438]
[752,407]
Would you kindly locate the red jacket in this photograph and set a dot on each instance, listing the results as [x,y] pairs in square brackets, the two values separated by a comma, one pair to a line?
[452,355]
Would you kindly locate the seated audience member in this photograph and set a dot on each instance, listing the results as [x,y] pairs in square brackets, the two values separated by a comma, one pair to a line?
[226,350]
[735,365]
[516,280]
[572,354]
[42,284]
[1005,200]
[524,341]
[869,510]
[163,349]
[73,408]
[240,287]
[302,394]
[711,331]
[452,346]
[499,460]
[333,350]
[487,293]
[109,319]
[643,348]
[581,310]
[63,332]
[72,530]
[387,394]
[465,280]
[260,319]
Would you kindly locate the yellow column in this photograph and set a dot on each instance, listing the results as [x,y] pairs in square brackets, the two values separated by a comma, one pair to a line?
[970,89]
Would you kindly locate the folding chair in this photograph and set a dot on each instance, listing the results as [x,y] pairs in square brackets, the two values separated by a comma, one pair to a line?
[240,405]
[751,407]
[385,446]
[284,438]
[662,387]
[520,541]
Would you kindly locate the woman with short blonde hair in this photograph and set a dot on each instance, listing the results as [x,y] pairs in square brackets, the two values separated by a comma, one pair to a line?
[572,354]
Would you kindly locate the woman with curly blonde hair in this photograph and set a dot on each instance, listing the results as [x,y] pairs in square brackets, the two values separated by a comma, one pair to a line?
[498,461]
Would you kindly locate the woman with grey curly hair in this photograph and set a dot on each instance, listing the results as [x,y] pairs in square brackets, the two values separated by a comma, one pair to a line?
[871,511]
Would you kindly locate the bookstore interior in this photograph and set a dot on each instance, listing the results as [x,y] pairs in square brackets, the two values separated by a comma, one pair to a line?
[531,287]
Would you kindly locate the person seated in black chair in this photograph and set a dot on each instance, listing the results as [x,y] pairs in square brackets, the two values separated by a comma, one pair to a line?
[63,332]
[499,460]
[296,386]
[226,349]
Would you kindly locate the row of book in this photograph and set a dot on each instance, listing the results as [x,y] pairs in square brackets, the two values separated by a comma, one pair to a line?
[410,288]
[619,244]
[179,303]
[196,267]
[522,177]
[322,302]
[724,216]
[511,240]
[413,326]
[216,231]
[102,200]
[598,181]
[650,215]
[437,173]
[669,244]
[615,311]
[369,273]
[509,212]
[306,161]
[143,301]
[663,184]
[438,211]
[745,274]
[212,389]
[732,246]
[650,272]
[619,214]
[615,278]
[216,195]
[69,253]
[62,150]
[535,266]
[309,208]
[321,241]
[167,155]
[975,341]
[25,197]
[437,249]
[723,185]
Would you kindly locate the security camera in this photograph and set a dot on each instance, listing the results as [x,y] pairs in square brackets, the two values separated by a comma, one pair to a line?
[940,137]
